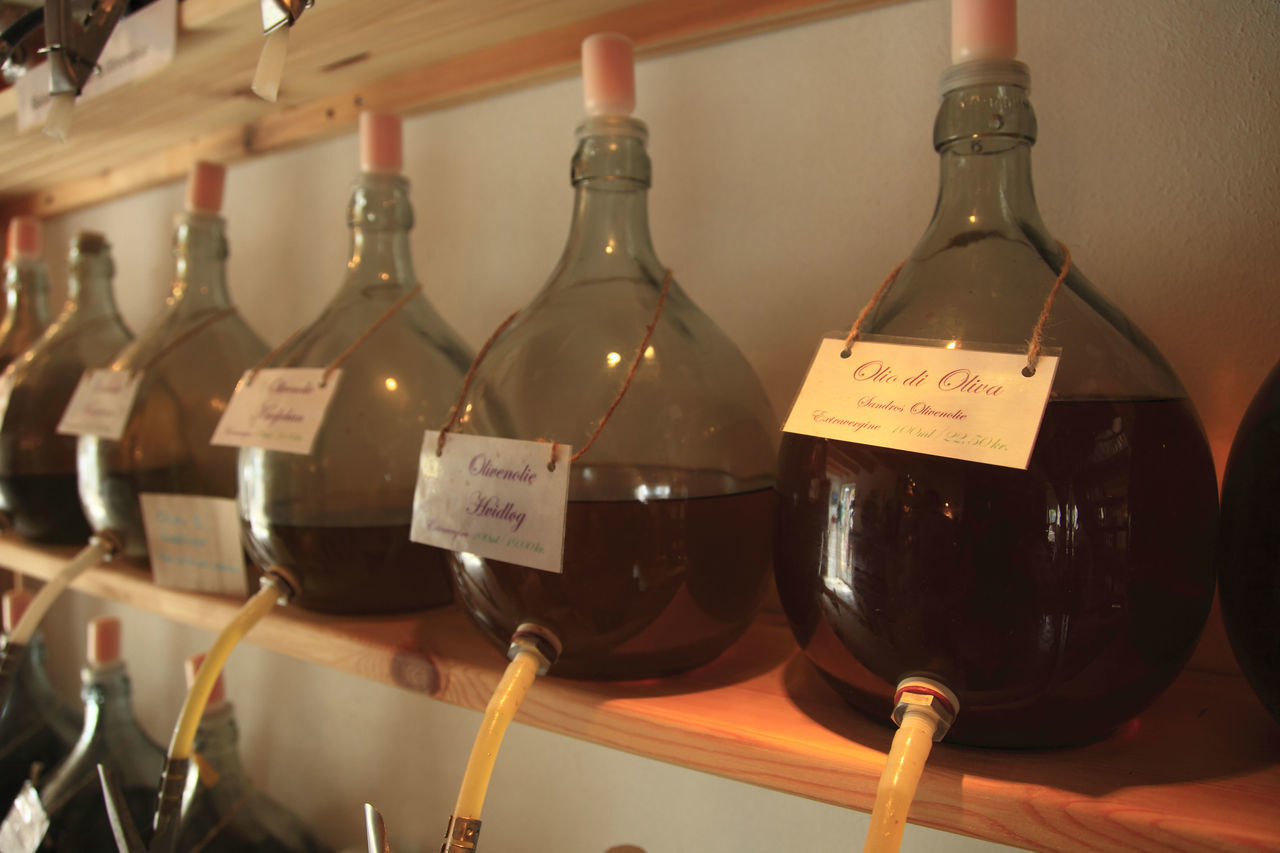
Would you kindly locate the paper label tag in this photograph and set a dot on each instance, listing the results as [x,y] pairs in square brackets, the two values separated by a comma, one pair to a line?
[194,542]
[281,409]
[960,403]
[101,403]
[493,497]
[6,391]
[26,824]
[139,44]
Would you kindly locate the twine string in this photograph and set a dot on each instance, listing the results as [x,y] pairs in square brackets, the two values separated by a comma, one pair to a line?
[466,382]
[187,333]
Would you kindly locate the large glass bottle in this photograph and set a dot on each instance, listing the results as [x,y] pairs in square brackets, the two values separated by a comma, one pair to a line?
[189,359]
[222,810]
[72,795]
[1249,545]
[338,519]
[666,548]
[1056,601]
[26,289]
[37,465]
[37,728]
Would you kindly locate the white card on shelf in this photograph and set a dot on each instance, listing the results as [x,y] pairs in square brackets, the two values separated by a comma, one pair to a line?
[101,403]
[277,409]
[972,404]
[194,542]
[493,497]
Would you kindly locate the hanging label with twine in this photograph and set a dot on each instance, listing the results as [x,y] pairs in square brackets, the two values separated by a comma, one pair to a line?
[941,398]
[101,403]
[504,498]
[282,408]
[277,409]
[498,498]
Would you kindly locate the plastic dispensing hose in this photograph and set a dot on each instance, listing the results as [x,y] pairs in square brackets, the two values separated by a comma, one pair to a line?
[89,556]
[924,713]
[533,650]
[173,779]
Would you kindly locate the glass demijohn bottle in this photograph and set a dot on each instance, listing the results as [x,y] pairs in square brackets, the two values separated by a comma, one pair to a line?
[1056,601]
[188,359]
[666,548]
[26,289]
[1249,547]
[37,728]
[72,796]
[37,465]
[338,519]
[222,811]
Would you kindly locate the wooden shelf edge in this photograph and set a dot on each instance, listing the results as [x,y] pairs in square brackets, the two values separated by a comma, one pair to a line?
[657,26]
[1197,772]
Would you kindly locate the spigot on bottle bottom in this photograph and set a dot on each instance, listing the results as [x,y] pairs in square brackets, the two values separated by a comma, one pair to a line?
[927,696]
[530,636]
[462,835]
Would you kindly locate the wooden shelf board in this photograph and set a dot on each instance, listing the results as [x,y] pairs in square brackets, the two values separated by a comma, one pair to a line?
[1197,772]
[344,55]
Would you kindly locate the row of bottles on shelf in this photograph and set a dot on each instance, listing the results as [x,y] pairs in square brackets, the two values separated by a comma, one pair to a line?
[52,754]
[1037,598]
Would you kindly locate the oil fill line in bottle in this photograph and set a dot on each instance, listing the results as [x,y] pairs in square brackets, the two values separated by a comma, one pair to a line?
[102,548]
[277,588]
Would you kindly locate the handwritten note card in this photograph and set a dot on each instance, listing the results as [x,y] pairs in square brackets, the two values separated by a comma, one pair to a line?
[493,497]
[101,403]
[959,403]
[277,409]
[194,542]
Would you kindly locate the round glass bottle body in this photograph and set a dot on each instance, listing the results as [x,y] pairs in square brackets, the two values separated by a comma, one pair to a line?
[338,519]
[188,361]
[1056,601]
[37,465]
[666,548]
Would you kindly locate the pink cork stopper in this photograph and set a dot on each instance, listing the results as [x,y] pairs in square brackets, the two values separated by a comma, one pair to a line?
[984,29]
[204,187]
[15,604]
[608,75]
[104,641]
[26,237]
[380,143]
[192,666]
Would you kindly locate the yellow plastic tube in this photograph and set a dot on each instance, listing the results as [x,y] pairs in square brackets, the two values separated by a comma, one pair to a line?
[184,733]
[901,776]
[497,716]
[89,556]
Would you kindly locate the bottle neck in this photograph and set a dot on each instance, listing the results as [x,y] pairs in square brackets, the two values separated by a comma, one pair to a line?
[89,291]
[200,259]
[26,294]
[380,217]
[983,134]
[108,712]
[33,679]
[609,234]
[217,741]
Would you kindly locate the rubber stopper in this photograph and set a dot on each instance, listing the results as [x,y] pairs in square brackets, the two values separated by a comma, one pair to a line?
[103,641]
[984,29]
[204,187]
[26,237]
[608,75]
[380,143]
[192,666]
[13,605]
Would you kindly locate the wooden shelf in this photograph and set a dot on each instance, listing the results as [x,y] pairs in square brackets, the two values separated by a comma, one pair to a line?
[344,55]
[1199,771]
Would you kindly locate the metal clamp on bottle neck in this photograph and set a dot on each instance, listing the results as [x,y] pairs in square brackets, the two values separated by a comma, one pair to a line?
[462,836]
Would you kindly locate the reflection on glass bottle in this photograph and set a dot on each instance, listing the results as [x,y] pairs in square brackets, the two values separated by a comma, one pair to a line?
[189,359]
[667,541]
[37,729]
[37,465]
[338,519]
[26,289]
[1249,547]
[222,811]
[72,795]
[1058,601]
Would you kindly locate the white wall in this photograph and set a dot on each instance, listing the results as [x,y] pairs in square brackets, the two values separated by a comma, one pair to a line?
[792,170]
